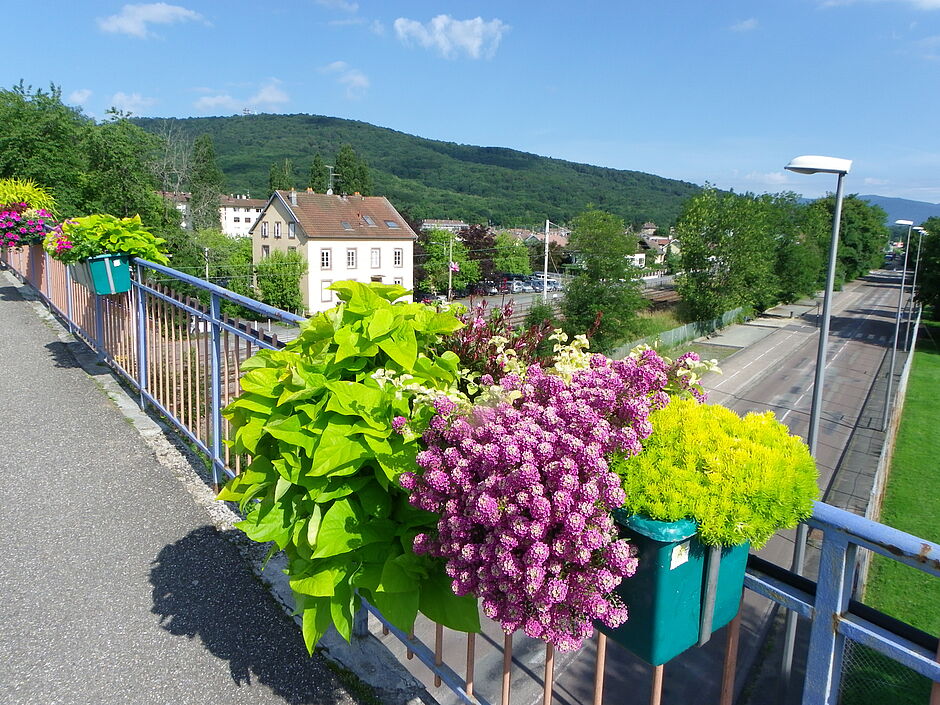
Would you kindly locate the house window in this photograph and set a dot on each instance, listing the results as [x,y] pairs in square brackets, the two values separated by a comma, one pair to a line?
[351,258]
[399,281]
[391,224]
[265,251]
[376,257]
[236,219]
[292,230]
[369,221]
[264,229]
[346,225]
[326,294]
[291,249]
[326,258]
[398,257]
[277,228]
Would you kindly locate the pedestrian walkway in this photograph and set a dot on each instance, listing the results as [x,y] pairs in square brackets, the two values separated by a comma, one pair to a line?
[116,586]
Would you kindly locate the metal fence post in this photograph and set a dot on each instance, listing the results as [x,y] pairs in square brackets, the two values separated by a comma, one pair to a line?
[215,445]
[824,660]
[99,328]
[68,299]
[142,380]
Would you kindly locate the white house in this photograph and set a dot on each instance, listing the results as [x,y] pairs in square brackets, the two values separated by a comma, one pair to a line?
[360,238]
[453,226]
[238,213]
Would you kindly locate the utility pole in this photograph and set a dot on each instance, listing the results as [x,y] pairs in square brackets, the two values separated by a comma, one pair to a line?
[545,267]
[205,257]
[450,269]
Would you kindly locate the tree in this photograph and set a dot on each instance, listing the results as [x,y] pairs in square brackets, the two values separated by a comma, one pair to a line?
[511,255]
[606,283]
[279,277]
[437,248]
[728,254]
[352,173]
[205,185]
[119,179]
[319,179]
[862,235]
[928,273]
[281,176]
[42,139]
[480,245]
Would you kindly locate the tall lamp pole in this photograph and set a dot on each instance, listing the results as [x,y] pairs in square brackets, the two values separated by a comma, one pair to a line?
[897,324]
[814,164]
[907,331]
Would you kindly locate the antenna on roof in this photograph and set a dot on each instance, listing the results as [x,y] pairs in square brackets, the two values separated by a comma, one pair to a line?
[329,188]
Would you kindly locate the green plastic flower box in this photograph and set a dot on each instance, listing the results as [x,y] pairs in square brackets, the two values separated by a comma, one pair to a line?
[104,274]
[664,597]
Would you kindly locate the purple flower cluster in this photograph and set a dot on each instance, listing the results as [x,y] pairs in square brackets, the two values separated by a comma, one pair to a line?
[19,225]
[524,494]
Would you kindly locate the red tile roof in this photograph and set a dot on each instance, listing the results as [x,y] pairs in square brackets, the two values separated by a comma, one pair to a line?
[322,216]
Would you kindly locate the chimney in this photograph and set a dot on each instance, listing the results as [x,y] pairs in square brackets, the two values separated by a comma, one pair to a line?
[293,197]
[356,193]
[309,190]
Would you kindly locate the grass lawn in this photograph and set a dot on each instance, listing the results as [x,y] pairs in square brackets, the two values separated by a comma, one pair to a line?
[912,504]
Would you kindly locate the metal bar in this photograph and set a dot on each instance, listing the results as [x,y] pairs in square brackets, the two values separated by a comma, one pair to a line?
[897,328]
[891,645]
[599,664]
[656,694]
[99,328]
[216,407]
[731,659]
[507,669]
[548,682]
[781,593]
[935,688]
[471,657]
[711,587]
[141,339]
[411,637]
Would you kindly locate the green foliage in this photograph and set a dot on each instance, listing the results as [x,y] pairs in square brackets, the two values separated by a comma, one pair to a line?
[741,479]
[205,185]
[511,255]
[540,313]
[14,190]
[862,235]
[319,175]
[432,179]
[437,248]
[352,172]
[281,176]
[279,277]
[316,418]
[928,273]
[102,234]
[41,140]
[605,285]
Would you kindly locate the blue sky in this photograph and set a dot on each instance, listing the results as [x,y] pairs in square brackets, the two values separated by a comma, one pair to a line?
[724,92]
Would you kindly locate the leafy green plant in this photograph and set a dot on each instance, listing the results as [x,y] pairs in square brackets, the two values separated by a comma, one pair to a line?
[14,190]
[740,478]
[91,235]
[321,419]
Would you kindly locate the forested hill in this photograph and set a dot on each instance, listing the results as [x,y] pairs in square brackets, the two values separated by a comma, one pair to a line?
[432,179]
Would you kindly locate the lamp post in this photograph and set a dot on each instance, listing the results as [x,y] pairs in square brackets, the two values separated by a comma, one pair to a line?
[897,324]
[907,331]
[814,164]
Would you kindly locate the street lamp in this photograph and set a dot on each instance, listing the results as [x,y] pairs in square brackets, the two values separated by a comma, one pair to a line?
[897,323]
[907,331]
[814,164]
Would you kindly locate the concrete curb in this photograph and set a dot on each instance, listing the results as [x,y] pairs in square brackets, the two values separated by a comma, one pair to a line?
[366,657]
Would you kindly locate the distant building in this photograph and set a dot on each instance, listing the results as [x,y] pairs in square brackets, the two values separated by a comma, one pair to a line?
[449,225]
[360,238]
[238,213]
[556,236]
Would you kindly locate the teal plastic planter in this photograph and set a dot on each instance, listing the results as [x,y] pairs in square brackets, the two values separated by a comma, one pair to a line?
[104,274]
[664,598]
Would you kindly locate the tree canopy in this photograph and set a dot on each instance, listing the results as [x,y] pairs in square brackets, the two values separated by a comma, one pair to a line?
[205,185]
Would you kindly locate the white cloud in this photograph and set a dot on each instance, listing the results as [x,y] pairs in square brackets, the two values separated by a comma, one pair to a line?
[773,178]
[475,38]
[356,81]
[78,97]
[869,181]
[343,5]
[377,27]
[133,103]
[269,95]
[133,19]
[744,25]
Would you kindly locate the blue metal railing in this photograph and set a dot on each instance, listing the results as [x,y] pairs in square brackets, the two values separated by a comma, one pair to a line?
[827,603]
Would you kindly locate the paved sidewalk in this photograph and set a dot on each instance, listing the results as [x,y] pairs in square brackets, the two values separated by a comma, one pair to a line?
[116,588]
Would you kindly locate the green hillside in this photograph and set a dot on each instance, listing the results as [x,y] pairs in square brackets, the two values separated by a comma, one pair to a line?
[432,179]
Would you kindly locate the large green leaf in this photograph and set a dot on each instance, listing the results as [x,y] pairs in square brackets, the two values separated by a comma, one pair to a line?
[290,431]
[263,381]
[403,573]
[339,530]
[439,603]
[399,608]
[267,523]
[342,606]
[336,451]
[316,620]
[382,322]
[321,584]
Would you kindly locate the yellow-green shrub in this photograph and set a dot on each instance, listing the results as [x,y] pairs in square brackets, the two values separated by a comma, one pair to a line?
[740,478]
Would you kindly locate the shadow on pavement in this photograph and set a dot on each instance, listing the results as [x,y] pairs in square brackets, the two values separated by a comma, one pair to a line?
[10,293]
[201,589]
